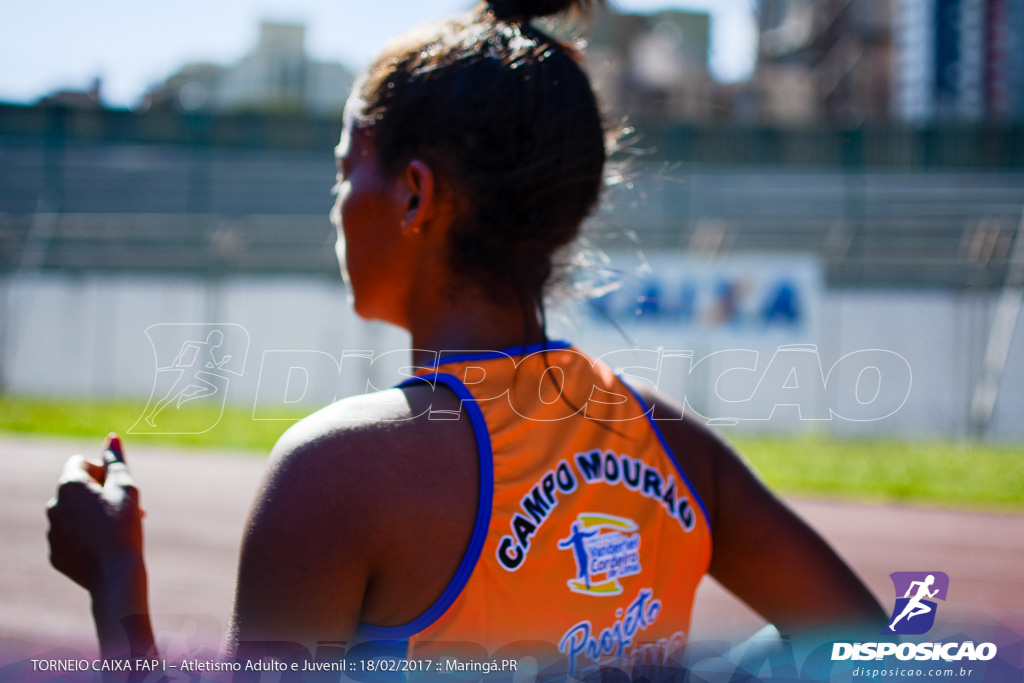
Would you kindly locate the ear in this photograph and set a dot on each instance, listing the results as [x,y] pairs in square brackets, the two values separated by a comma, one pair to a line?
[421,201]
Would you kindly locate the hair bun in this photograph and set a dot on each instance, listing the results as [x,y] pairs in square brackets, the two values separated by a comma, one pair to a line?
[524,10]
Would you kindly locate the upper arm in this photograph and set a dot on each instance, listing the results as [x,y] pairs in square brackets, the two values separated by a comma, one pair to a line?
[762,551]
[777,563]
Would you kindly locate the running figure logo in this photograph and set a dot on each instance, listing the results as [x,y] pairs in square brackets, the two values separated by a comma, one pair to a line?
[914,613]
[194,364]
[194,380]
[605,551]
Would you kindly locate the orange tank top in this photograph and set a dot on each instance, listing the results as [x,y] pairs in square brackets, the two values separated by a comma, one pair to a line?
[589,541]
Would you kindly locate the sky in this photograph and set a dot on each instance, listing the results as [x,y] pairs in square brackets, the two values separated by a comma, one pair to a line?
[47,45]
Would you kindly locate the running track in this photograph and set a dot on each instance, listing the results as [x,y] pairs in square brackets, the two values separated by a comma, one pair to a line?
[196,505]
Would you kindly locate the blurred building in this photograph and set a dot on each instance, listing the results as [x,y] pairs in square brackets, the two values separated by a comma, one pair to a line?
[77,99]
[960,60]
[824,61]
[652,66]
[277,76]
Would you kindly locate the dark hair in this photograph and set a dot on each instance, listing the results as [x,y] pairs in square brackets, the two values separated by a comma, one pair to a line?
[507,115]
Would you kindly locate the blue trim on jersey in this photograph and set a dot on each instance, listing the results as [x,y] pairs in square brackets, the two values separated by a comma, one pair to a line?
[556,345]
[483,520]
[671,454]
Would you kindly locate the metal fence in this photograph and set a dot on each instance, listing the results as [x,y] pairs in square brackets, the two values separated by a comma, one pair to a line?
[113,190]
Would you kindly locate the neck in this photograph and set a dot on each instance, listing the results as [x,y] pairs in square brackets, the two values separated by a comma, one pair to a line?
[468,321]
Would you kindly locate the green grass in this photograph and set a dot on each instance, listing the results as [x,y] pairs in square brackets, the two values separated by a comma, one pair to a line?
[236,429]
[965,474]
[968,474]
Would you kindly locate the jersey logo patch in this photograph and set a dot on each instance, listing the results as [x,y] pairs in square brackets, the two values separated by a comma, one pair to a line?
[606,548]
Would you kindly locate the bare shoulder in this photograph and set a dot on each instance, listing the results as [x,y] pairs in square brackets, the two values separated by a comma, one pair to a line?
[374,451]
[336,520]
[721,475]
[702,454]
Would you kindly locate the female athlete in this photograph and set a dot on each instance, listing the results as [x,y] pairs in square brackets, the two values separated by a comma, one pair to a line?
[525,500]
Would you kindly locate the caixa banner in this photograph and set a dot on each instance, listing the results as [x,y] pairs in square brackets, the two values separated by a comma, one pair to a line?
[740,339]
[740,296]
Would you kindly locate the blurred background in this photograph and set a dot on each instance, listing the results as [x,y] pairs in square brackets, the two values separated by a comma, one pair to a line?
[831,177]
[839,174]
[815,233]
